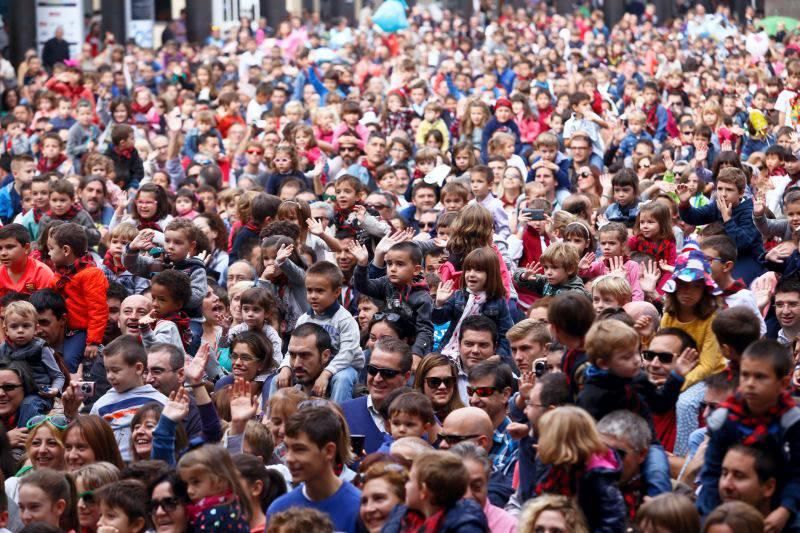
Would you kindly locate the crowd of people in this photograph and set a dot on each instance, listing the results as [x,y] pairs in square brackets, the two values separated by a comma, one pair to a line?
[512,272]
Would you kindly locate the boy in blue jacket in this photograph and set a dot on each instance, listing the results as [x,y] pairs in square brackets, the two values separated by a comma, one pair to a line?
[736,213]
[762,413]
[503,120]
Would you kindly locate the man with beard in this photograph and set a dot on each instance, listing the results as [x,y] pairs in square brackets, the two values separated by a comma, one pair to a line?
[93,198]
[348,154]
[310,349]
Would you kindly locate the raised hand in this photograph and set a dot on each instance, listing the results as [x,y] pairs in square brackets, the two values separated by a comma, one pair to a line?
[532,269]
[759,204]
[665,267]
[390,240]
[726,146]
[143,240]
[668,162]
[269,271]
[616,266]
[177,407]
[643,324]
[724,207]
[762,288]
[649,276]
[361,212]
[686,361]
[315,227]
[586,261]
[243,404]
[684,194]
[360,252]
[284,253]
[284,377]
[147,319]
[194,368]
[444,292]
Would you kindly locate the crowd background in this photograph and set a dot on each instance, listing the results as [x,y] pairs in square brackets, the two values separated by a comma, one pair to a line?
[514,272]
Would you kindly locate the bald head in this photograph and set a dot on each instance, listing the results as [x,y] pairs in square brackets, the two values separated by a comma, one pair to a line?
[472,422]
[132,309]
[636,310]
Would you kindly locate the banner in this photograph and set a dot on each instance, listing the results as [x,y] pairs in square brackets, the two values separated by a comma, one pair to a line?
[50,14]
[139,19]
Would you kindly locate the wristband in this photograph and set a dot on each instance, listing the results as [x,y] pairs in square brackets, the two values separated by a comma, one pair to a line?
[190,386]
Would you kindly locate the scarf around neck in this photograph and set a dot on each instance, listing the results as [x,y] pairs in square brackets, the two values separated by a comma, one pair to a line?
[44,165]
[67,272]
[108,262]
[70,214]
[739,412]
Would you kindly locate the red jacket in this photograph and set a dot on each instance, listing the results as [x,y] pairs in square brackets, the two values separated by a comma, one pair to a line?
[87,305]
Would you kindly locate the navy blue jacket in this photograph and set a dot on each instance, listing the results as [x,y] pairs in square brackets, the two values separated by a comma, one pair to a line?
[496,309]
[740,228]
[466,516]
[360,422]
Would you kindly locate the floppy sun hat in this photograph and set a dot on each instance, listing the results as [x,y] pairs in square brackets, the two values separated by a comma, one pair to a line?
[692,266]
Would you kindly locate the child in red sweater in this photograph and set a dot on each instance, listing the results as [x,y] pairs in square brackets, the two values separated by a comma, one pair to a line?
[84,287]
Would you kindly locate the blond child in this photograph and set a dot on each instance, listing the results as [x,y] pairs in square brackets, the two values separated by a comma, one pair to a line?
[557,272]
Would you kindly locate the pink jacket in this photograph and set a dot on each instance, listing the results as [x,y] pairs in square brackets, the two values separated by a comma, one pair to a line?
[341,129]
[600,268]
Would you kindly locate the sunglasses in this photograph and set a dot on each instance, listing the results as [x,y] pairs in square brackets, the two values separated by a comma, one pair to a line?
[59,421]
[427,225]
[481,392]
[584,174]
[386,373]
[9,387]
[326,197]
[389,317]
[87,497]
[348,149]
[376,206]
[255,152]
[168,504]
[688,132]
[622,454]
[664,357]
[711,406]
[452,440]
[435,383]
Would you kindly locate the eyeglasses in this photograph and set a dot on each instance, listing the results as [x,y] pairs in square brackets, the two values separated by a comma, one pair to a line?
[688,132]
[644,165]
[9,387]
[59,421]
[255,152]
[386,373]
[452,440]
[427,225]
[481,392]
[711,406]
[168,504]
[87,497]
[435,383]
[244,358]
[664,357]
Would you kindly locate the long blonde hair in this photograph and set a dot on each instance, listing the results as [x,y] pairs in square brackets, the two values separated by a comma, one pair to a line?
[568,436]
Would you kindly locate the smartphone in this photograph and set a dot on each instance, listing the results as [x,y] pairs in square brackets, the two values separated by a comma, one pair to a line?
[357,444]
[535,214]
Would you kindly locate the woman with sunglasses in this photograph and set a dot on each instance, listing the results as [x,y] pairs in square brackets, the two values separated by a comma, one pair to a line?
[88,479]
[168,499]
[16,382]
[436,378]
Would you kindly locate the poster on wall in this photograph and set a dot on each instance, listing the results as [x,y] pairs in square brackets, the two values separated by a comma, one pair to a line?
[50,14]
[139,16]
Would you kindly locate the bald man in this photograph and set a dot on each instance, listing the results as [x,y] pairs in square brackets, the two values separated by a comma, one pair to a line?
[650,319]
[132,309]
[473,424]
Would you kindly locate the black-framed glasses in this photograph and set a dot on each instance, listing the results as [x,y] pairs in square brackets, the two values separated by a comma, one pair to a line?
[168,504]
[481,392]
[10,387]
[452,439]
[376,207]
[664,357]
[386,373]
[87,497]
[435,383]
[584,174]
[622,454]
[688,132]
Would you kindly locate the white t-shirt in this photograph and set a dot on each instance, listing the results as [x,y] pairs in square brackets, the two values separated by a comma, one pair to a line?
[784,105]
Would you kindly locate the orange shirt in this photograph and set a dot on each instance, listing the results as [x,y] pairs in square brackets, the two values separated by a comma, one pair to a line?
[36,276]
[87,306]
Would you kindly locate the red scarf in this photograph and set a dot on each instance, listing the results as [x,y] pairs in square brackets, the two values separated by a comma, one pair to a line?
[433,524]
[759,425]
[252,226]
[71,213]
[149,224]
[44,165]
[181,320]
[560,479]
[193,510]
[143,109]
[108,262]
[652,118]
[733,288]
[37,214]
[341,216]
[67,272]
[126,153]
[632,493]
[659,250]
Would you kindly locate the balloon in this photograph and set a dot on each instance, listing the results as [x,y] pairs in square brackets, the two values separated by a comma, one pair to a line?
[391,16]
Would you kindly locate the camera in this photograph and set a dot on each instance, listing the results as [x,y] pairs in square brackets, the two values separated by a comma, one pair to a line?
[86,389]
[540,367]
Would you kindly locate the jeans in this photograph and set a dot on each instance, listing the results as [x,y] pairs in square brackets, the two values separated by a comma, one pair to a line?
[33,405]
[74,346]
[342,385]
[695,440]
[656,471]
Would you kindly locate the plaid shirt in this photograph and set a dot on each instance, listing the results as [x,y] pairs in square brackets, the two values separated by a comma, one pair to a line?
[504,448]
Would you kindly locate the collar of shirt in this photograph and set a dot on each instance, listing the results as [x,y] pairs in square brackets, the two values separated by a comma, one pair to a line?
[376,416]
[327,313]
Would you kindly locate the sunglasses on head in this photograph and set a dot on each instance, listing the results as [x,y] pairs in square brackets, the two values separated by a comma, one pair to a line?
[168,504]
[452,440]
[435,383]
[481,392]
[386,373]
[664,357]
[59,421]
[87,497]
[389,317]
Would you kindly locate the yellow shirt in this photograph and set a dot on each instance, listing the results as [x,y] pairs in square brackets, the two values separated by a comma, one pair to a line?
[711,360]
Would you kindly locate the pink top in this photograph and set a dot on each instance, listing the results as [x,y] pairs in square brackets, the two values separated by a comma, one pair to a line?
[499,520]
[341,129]
[600,268]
